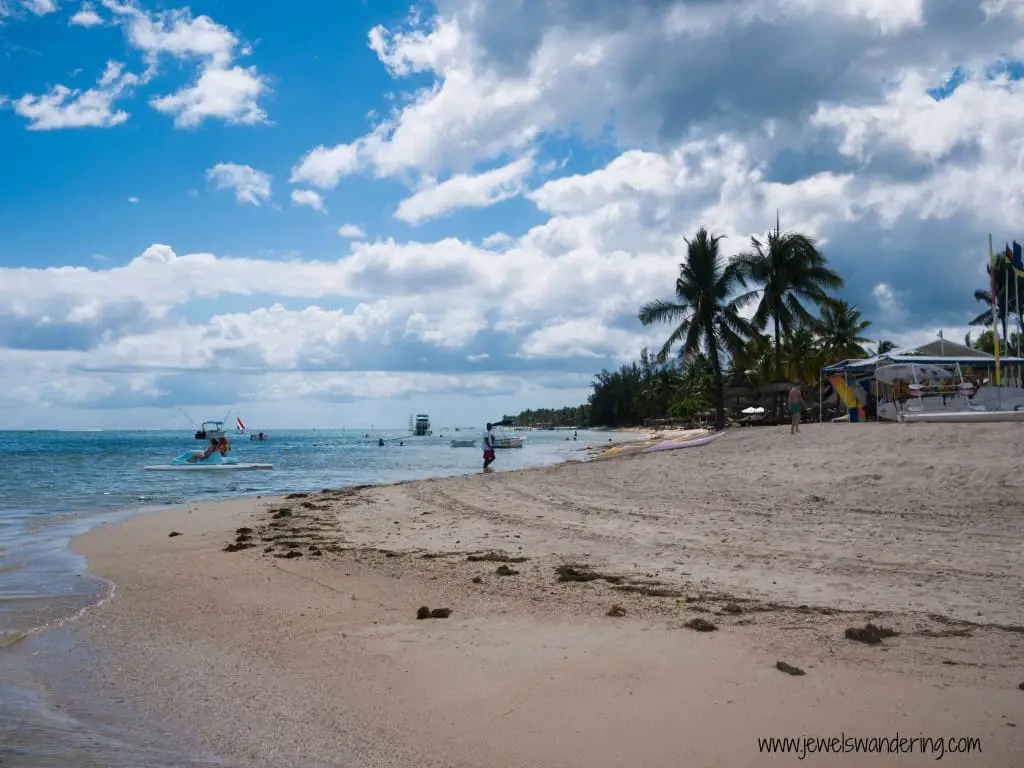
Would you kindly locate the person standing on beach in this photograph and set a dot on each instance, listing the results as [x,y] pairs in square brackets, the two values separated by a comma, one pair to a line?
[796,402]
[488,445]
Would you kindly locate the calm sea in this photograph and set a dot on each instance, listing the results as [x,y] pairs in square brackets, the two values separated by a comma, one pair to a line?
[55,485]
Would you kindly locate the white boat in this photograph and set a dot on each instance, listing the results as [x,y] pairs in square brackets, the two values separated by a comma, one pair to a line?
[924,402]
[939,394]
[420,425]
[508,442]
[972,416]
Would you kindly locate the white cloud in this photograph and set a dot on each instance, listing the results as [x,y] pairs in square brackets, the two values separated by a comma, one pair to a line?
[40,7]
[890,16]
[580,338]
[222,89]
[888,301]
[133,200]
[465,191]
[351,231]
[979,120]
[839,135]
[86,16]
[308,198]
[64,107]
[324,168]
[229,94]
[251,186]
[497,241]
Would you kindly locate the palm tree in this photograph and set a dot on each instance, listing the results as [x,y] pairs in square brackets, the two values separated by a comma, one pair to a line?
[789,270]
[705,311]
[1006,303]
[887,346]
[752,365]
[840,328]
[801,355]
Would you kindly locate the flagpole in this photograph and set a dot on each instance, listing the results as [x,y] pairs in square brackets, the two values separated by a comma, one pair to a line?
[995,309]
[1017,307]
[1006,305]
[1018,272]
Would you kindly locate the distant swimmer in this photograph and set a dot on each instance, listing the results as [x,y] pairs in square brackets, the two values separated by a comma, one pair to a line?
[796,402]
[380,441]
[488,447]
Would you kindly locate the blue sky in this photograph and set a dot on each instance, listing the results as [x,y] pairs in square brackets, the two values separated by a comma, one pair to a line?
[346,212]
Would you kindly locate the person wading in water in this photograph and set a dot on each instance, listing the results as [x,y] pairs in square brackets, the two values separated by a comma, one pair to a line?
[488,445]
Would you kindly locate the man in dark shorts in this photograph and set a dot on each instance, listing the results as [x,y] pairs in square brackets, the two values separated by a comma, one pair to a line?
[488,445]
[796,402]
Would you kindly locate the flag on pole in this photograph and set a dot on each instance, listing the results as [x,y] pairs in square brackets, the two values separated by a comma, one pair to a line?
[995,305]
[1017,259]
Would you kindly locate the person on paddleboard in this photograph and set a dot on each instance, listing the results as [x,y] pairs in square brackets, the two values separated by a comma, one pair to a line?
[200,456]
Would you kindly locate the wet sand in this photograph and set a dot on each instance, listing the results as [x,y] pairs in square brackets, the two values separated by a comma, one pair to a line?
[578,594]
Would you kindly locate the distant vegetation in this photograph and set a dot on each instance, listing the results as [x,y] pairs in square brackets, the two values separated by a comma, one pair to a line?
[798,326]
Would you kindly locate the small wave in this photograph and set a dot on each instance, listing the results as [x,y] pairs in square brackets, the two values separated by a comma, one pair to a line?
[13,637]
[7,639]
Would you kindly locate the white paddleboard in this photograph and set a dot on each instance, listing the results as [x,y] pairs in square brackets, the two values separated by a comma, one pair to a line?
[205,467]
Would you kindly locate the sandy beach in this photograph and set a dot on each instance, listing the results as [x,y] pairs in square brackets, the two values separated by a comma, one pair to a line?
[628,611]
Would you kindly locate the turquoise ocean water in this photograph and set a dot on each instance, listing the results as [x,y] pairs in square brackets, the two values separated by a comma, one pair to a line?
[55,485]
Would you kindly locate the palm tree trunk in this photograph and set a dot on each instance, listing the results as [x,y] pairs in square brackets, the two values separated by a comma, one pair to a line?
[716,368]
[778,350]
[778,365]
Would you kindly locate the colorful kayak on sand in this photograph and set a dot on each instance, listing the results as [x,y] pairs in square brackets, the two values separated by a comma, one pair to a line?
[671,445]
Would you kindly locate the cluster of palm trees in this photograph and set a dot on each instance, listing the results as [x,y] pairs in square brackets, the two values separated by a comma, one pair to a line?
[793,322]
[1006,305]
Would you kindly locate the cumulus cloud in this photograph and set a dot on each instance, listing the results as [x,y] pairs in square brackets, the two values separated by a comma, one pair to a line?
[251,186]
[40,7]
[64,107]
[860,136]
[86,16]
[324,168]
[465,191]
[222,89]
[308,198]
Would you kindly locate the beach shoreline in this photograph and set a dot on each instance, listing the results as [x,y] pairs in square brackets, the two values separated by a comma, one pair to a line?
[317,602]
[39,681]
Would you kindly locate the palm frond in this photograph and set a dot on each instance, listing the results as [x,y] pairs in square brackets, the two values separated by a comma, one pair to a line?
[659,311]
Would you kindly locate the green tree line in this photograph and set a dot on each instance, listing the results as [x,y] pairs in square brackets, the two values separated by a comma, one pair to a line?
[797,324]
